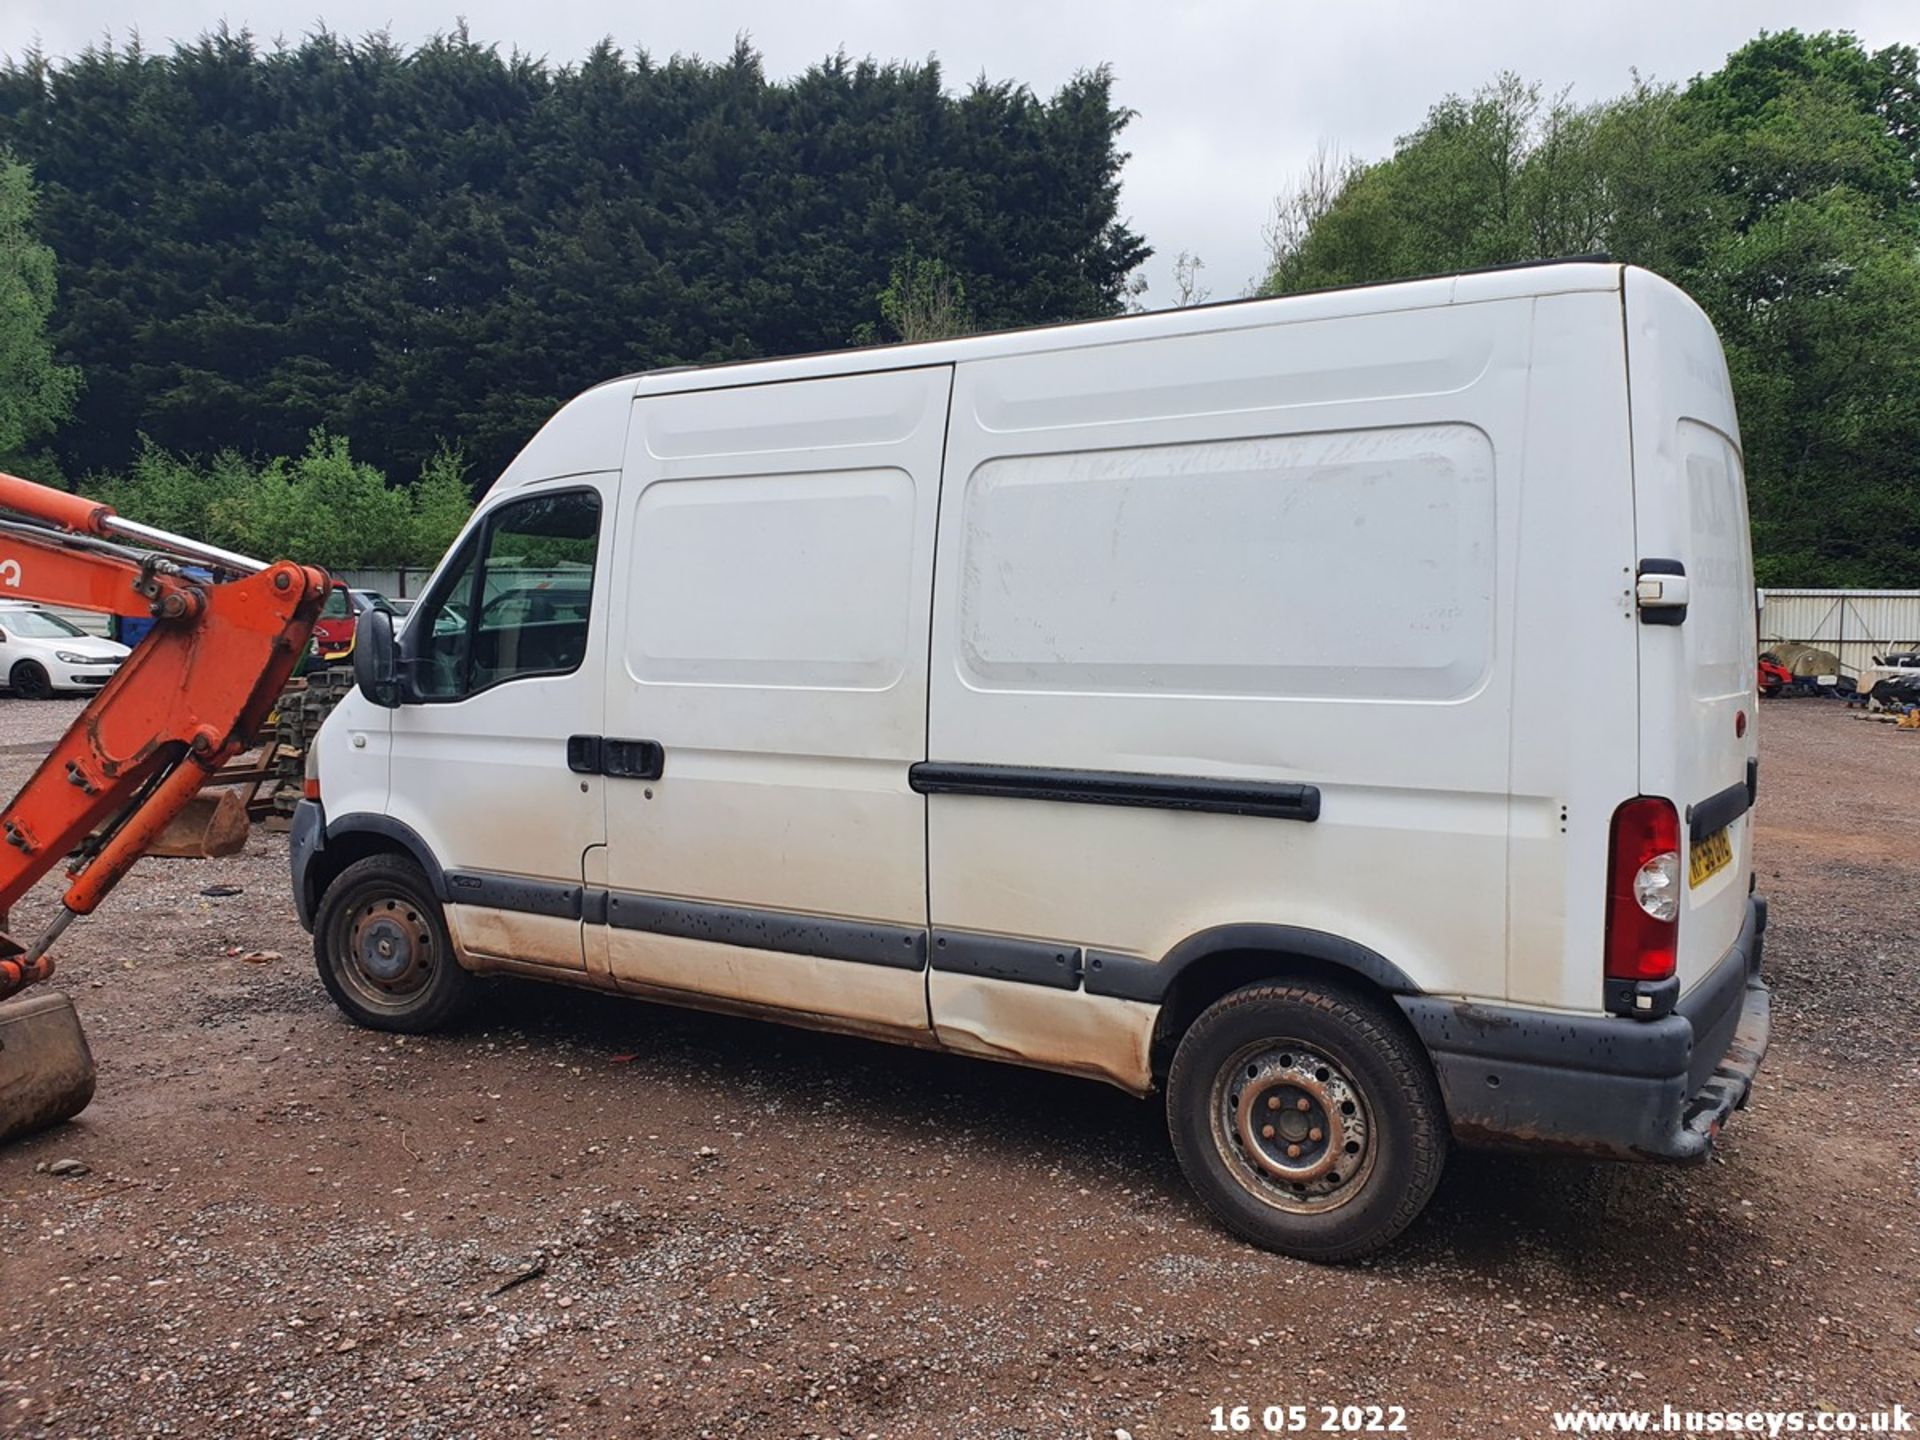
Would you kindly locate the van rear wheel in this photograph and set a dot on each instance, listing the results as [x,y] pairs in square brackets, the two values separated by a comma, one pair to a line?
[383,950]
[1307,1119]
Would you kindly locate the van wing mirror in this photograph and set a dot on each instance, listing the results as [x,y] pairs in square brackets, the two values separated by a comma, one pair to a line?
[376,670]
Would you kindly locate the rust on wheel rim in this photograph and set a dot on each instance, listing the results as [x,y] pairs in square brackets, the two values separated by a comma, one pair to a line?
[1292,1127]
[389,949]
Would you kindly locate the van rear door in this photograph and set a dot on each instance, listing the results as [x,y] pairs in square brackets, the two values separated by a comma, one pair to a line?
[1696,636]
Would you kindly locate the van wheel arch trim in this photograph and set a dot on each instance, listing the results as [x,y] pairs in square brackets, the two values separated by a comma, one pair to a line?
[1127,977]
[404,838]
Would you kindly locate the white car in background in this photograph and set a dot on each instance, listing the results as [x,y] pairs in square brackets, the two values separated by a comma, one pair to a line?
[41,654]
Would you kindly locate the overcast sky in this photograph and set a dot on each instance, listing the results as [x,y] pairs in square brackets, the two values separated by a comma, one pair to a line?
[1232,95]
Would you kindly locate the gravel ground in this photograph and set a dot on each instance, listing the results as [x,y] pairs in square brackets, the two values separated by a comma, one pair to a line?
[585,1216]
[30,727]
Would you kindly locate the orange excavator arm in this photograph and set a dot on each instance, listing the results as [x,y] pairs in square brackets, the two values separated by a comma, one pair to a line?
[189,698]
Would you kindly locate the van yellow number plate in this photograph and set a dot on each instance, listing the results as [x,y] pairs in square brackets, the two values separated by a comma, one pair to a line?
[1709,858]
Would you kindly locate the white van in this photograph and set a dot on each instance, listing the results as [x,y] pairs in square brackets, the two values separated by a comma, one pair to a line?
[1336,711]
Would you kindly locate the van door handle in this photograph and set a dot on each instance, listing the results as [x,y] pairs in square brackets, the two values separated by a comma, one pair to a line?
[632,759]
[1660,592]
[620,759]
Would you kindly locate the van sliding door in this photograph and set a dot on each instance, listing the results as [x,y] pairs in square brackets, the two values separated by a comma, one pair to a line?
[767,692]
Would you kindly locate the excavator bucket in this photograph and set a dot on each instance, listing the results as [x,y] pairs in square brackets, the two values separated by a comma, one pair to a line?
[46,1069]
[214,823]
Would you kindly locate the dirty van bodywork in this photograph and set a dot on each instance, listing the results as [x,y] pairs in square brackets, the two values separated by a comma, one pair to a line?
[1171,700]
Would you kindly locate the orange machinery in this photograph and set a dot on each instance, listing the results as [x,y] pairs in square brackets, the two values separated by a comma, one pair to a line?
[188,699]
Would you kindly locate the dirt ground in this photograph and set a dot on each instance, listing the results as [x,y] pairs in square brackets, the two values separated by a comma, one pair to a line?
[586,1217]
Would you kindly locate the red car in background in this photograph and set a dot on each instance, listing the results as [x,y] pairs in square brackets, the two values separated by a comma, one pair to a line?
[333,631]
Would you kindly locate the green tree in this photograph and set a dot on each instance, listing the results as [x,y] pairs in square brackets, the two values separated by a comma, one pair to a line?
[439,504]
[447,241]
[1782,191]
[321,506]
[924,299]
[36,393]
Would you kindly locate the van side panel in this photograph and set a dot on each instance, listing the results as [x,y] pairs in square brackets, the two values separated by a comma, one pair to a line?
[769,632]
[1275,555]
[1697,678]
[1576,693]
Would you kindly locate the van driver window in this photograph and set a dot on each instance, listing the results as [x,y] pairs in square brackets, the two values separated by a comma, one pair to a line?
[515,601]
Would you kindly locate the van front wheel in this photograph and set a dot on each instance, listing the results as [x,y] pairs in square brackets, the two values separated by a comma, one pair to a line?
[383,951]
[1307,1118]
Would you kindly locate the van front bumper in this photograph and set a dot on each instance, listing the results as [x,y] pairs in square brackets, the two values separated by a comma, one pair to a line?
[1605,1085]
[306,838]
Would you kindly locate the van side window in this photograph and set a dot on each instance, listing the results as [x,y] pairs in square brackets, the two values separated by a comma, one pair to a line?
[515,602]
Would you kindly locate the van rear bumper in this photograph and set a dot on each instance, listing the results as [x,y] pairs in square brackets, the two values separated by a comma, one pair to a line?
[1604,1085]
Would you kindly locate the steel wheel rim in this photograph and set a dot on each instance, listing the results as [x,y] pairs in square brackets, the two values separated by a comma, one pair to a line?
[385,953]
[1293,1126]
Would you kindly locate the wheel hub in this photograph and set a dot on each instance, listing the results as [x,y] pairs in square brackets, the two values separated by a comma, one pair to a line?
[391,946]
[1294,1124]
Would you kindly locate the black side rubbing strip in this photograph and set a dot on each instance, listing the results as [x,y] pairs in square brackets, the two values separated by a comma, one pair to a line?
[997,957]
[1718,811]
[830,939]
[1128,977]
[1277,800]
[512,892]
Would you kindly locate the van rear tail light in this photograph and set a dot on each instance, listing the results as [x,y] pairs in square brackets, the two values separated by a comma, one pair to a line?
[1643,891]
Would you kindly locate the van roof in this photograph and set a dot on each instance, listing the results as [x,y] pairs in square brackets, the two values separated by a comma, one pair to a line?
[1501,282]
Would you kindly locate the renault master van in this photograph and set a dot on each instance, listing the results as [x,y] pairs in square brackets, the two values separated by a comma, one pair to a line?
[1180,701]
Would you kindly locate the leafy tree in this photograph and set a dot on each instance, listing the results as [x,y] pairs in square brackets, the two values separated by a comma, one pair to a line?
[321,506]
[439,504]
[401,245]
[1782,191]
[923,300]
[36,393]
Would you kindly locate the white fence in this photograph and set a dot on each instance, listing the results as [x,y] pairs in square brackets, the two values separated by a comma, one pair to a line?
[1855,624]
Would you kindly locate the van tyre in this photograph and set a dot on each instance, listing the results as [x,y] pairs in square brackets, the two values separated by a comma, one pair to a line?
[381,943]
[29,681]
[1307,1118]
